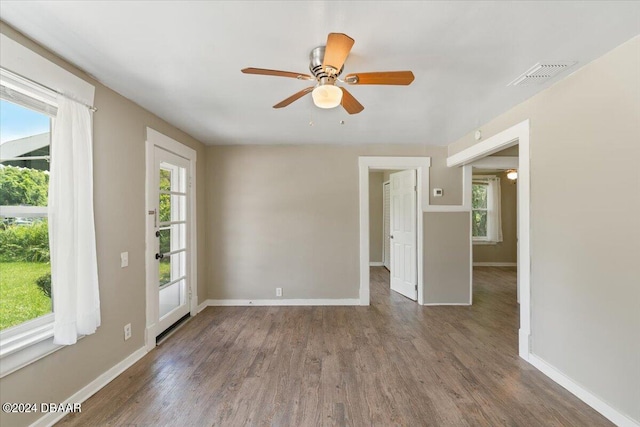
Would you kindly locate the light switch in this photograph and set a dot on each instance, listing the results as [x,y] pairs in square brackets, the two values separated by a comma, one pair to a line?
[124,259]
[437,192]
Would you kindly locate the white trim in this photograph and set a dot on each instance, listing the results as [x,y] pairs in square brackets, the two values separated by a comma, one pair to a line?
[385,238]
[203,305]
[24,211]
[495,264]
[29,88]
[446,208]
[278,302]
[477,241]
[496,162]
[376,264]
[171,145]
[92,388]
[28,64]
[435,304]
[25,343]
[155,138]
[504,139]
[517,134]
[367,163]
[612,414]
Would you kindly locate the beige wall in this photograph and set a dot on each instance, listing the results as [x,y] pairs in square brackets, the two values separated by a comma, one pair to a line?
[287,216]
[119,193]
[585,199]
[505,251]
[375,216]
[447,271]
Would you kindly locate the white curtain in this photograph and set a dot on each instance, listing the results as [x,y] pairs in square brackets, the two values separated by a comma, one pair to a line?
[74,268]
[494,211]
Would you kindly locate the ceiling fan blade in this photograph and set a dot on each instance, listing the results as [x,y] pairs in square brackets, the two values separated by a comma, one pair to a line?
[349,103]
[293,97]
[277,73]
[337,49]
[380,78]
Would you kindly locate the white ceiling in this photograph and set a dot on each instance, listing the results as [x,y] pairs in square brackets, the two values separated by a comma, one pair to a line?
[182,60]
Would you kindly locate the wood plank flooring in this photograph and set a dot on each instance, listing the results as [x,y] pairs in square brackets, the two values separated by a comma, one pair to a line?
[394,363]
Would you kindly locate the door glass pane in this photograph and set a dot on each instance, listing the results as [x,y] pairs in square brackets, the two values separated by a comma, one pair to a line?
[164,211]
[172,208]
[165,179]
[172,238]
[171,267]
[171,297]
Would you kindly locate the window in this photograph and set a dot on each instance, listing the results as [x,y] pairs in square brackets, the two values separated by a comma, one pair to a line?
[25,272]
[26,318]
[479,210]
[486,223]
[26,98]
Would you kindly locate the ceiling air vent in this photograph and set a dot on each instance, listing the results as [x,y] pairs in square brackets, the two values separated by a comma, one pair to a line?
[541,73]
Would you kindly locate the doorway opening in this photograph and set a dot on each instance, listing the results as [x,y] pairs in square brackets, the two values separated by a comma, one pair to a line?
[494,200]
[418,167]
[393,224]
[477,155]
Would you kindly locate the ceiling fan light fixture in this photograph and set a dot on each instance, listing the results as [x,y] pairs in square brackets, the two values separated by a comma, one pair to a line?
[327,96]
[512,174]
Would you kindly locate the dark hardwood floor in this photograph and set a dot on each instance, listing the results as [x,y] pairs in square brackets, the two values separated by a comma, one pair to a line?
[393,363]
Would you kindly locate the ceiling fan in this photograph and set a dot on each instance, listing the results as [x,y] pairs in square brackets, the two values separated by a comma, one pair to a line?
[326,64]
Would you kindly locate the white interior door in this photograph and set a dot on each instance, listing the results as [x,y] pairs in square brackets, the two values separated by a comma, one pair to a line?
[171,243]
[404,277]
[386,225]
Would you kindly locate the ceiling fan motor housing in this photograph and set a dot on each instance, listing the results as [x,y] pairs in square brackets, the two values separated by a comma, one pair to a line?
[316,57]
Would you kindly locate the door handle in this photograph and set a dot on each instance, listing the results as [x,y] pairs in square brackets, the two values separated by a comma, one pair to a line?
[159,256]
[391,236]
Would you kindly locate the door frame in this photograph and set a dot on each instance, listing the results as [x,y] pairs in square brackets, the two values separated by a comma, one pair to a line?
[157,139]
[367,164]
[386,238]
[517,134]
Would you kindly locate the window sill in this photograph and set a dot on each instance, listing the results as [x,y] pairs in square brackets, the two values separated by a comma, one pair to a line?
[484,242]
[25,344]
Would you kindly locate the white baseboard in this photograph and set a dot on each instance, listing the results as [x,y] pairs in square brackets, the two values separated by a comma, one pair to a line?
[280,302]
[495,264]
[523,344]
[581,393]
[204,305]
[433,304]
[376,264]
[92,388]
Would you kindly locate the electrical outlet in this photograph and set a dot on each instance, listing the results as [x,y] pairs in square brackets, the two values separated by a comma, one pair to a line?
[124,259]
[127,331]
[278,292]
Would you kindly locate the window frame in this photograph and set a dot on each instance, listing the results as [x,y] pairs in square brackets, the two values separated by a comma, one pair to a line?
[28,341]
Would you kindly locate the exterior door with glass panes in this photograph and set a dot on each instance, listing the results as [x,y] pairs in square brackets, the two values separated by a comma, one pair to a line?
[171,243]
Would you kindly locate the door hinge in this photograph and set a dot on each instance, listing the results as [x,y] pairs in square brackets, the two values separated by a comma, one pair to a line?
[416,288]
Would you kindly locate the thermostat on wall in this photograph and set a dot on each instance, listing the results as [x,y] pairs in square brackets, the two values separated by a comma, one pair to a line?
[437,192]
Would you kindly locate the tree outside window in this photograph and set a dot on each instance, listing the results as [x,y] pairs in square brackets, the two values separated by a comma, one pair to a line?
[479,210]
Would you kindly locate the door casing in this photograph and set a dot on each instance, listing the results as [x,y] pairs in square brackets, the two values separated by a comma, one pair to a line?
[367,164]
